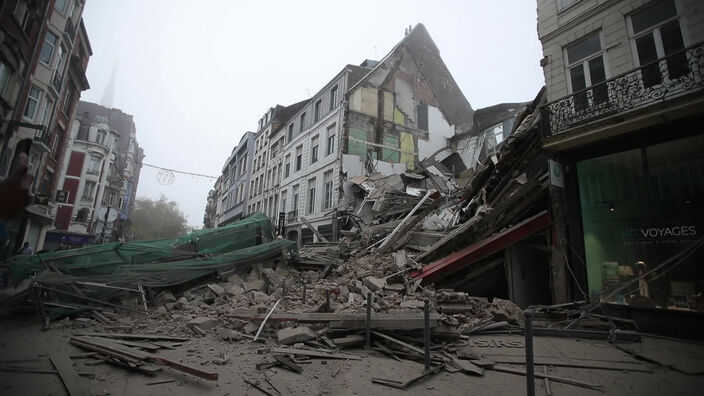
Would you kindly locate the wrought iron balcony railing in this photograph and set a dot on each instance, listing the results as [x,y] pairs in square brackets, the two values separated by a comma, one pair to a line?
[658,81]
[43,138]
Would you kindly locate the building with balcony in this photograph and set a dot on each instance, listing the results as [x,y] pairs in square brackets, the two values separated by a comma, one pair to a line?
[100,170]
[45,103]
[622,123]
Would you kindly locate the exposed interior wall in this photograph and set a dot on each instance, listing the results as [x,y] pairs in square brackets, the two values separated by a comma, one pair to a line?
[394,117]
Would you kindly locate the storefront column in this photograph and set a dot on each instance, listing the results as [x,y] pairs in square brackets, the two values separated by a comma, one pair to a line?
[558,259]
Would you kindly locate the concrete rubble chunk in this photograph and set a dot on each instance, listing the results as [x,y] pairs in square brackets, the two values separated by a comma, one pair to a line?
[203,323]
[292,335]
[258,296]
[217,289]
[254,284]
[165,297]
[374,284]
[235,280]
[235,290]
[250,328]
[505,310]
[229,335]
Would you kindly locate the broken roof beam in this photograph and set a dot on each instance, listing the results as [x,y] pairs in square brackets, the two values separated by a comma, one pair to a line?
[409,222]
[484,248]
[320,237]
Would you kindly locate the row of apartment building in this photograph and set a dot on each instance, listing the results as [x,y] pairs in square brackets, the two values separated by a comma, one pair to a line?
[44,54]
[382,116]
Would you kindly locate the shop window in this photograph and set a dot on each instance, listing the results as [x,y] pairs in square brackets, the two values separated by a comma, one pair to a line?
[640,208]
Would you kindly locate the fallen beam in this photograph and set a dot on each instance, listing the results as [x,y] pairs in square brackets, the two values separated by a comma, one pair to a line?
[456,261]
[317,354]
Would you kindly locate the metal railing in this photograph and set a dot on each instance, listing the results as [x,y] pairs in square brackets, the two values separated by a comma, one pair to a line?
[43,136]
[655,82]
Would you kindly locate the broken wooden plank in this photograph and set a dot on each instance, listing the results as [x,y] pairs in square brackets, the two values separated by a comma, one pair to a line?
[317,354]
[73,383]
[465,366]
[131,355]
[406,384]
[568,381]
[320,237]
[408,222]
[165,381]
[261,326]
[561,362]
[130,336]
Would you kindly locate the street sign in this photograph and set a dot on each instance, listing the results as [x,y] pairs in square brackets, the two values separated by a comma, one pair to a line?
[107,213]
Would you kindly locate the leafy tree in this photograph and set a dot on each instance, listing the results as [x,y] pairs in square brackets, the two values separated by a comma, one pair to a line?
[157,219]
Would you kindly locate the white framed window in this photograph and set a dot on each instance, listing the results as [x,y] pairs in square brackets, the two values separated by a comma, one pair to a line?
[316,110]
[303,122]
[288,166]
[330,140]
[283,201]
[333,97]
[299,158]
[585,68]
[100,136]
[48,48]
[93,165]
[314,149]
[289,134]
[243,164]
[30,110]
[565,4]
[46,111]
[88,190]
[311,196]
[294,201]
[60,6]
[327,178]
[657,34]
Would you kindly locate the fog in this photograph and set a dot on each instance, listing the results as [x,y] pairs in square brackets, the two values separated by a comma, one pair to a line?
[197,75]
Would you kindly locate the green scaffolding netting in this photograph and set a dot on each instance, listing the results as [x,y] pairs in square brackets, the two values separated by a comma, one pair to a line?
[158,264]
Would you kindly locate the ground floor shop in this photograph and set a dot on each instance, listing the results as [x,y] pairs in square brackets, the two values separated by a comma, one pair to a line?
[637,208]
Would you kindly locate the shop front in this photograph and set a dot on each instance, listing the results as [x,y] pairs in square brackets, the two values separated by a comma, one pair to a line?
[641,208]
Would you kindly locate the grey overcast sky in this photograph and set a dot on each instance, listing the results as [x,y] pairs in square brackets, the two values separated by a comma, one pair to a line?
[197,74]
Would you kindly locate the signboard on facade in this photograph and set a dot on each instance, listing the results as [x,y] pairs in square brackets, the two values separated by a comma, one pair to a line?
[61,196]
[556,174]
[282,223]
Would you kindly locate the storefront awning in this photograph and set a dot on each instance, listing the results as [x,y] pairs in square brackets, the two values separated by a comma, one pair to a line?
[482,249]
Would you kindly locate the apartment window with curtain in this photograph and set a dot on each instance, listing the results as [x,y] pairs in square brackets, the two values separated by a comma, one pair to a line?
[88,190]
[657,34]
[288,166]
[585,65]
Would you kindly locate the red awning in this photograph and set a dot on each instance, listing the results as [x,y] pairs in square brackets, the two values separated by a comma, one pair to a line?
[482,249]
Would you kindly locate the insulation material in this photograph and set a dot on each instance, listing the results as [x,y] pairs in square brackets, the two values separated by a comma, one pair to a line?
[388,169]
[352,165]
[370,101]
[399,118]
[356,145]
[439,131]
[408,146]
[388,106]
[404,98]
[389,154]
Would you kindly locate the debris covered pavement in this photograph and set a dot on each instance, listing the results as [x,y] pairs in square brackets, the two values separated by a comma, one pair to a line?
[383,309]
